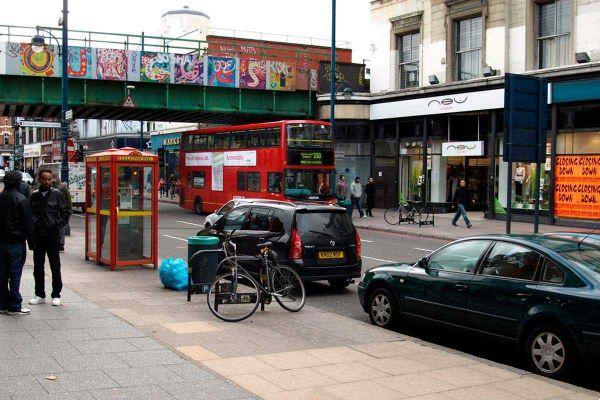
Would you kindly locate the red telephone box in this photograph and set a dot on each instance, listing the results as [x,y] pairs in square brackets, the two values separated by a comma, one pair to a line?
[121,214]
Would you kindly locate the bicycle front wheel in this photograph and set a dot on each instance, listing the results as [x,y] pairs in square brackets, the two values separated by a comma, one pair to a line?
[288,288]
[422,215]
[232,299]
[392,215]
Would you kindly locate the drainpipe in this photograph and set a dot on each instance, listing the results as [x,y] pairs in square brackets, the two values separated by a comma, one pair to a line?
[506,36]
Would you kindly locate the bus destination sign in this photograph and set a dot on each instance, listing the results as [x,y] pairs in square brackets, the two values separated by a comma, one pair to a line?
[304,157]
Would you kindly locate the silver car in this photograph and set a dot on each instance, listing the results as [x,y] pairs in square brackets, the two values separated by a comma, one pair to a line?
[28,179]
[225,208]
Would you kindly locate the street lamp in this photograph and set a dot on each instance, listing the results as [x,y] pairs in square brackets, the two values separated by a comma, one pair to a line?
[38,44]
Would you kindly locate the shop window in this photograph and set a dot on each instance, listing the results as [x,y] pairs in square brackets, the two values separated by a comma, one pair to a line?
[408,59]
[467,45]
[274,180]
[524,181]
[553,33]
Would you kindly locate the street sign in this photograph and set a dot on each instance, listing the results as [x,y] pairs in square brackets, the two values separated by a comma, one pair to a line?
[39,124]
[128,102]
[525,118]
[69,115]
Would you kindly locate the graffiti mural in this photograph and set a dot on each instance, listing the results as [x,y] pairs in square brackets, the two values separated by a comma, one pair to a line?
[282,76]
[314,79]
[188,69]
[155,67]
[133,66]
[81,62]
[222,71]
[111,64]
[253,74]
[22,60]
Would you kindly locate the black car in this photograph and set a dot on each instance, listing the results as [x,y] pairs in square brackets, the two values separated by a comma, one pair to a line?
[540,292]
[319,241]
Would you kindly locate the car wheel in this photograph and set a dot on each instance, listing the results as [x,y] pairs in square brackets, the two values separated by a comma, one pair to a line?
[198,206]
[383,309]
[550,351]
[339,284]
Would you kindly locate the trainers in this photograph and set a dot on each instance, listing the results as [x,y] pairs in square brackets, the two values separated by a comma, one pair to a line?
[22,311]
[37,300]
[56,301]
[453,224]
[468,226]
[3,311]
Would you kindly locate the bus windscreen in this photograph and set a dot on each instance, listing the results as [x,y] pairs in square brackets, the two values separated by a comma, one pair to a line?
[309,184]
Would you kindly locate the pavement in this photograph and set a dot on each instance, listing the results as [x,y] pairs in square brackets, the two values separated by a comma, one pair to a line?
[444,230]
[121,335]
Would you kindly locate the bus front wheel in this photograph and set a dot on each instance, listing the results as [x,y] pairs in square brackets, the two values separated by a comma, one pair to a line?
[198,206]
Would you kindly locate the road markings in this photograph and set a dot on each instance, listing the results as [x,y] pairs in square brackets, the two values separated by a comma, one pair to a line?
[78,215]
[176,238]
[379,259]
[428,250]
[366,241]
[190,223]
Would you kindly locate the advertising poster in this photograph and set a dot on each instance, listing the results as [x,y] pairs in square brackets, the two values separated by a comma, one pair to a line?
[111,64]
[188,69]
[81,62]
[577,187]
[222,71]
[217,172]
[155,67]
[282,76]
[253,74]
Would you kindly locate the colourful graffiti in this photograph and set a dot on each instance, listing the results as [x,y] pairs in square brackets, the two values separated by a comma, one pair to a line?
[81,62]
[253,74]
[314,80]
[111,64]
[188,69]
[222,71]
[282,76]
[36,64]
[155,67]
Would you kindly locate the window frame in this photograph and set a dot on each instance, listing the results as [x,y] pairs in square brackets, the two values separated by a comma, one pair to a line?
[191,179]
[238,176]
[244,210]
[281,178]
[536,275]
[455,45]
[539,40]
[263,210]
[401,64]
[477,264]
[254,173]
[543,273]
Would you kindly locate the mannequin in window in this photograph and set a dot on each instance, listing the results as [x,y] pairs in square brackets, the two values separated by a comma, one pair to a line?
[520,178]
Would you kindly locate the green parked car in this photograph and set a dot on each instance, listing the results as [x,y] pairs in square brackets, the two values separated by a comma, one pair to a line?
[541,292]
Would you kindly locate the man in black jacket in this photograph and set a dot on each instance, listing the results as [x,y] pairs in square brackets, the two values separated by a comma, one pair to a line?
[50,214]
[16,227]
[461,199]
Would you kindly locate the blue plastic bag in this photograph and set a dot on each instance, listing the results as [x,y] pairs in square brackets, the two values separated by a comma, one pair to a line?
[174,274]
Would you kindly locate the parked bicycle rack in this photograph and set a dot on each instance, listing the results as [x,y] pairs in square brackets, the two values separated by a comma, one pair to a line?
[428,221]
[206,276]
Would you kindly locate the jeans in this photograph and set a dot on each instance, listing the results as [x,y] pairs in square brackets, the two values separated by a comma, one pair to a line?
[47,245]
[461,211]
[12,259]
[356,203]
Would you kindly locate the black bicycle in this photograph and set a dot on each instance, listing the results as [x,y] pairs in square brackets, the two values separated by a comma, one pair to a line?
[235,294]
[406,213]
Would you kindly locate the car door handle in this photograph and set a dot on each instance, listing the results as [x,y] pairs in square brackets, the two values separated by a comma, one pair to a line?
[461,287]
[524,295]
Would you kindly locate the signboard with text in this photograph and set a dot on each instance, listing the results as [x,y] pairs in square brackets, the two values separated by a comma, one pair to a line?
[577,187]
[459,149]
[198,159]
[308,157]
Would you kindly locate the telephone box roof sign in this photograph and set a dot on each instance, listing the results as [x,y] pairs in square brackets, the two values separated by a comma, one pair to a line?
[525,118]
[122,154]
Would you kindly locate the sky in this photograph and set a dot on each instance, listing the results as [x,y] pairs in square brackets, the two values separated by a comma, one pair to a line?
[310,18]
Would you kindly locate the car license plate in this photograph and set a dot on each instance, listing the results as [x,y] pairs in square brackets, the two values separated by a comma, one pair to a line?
[326,255]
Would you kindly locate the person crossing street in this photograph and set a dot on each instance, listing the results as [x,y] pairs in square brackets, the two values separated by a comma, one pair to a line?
[461,199]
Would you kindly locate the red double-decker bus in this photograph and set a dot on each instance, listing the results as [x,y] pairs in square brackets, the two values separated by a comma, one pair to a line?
[282,160]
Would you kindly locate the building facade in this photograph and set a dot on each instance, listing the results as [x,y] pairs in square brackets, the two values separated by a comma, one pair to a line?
[435,111]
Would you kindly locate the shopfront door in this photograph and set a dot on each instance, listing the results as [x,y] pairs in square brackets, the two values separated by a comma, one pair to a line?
[386,181]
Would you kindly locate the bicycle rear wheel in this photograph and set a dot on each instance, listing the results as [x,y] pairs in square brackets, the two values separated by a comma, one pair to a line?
[392,215]
[288,288]
[232,299]
[422,215]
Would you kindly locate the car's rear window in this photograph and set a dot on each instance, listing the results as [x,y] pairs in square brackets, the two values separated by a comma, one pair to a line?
[586,256]
[331,223]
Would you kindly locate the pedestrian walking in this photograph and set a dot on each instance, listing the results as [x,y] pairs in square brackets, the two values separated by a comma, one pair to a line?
[16,228]
[161,187]
[356,191]
[461,199]
[341,189]
[50,213]
[64,189]
[370,193]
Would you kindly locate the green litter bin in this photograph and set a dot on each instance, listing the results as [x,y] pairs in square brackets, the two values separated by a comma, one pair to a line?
[202,268]
[347,204]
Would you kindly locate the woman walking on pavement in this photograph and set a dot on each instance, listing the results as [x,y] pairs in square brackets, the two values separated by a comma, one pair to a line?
[461,199]
[370,192]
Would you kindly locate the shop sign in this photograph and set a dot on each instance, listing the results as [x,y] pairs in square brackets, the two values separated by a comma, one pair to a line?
[173,141]
[198,159]
[460,149]
[32,150]
[577,187]
[240,158]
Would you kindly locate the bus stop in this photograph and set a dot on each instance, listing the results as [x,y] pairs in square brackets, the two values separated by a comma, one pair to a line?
[121,213]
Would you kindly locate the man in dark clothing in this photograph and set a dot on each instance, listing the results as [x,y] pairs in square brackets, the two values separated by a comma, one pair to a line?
[24,189]
[64,189]
[16,227]
[50,213]
[461,199]
[370,192]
